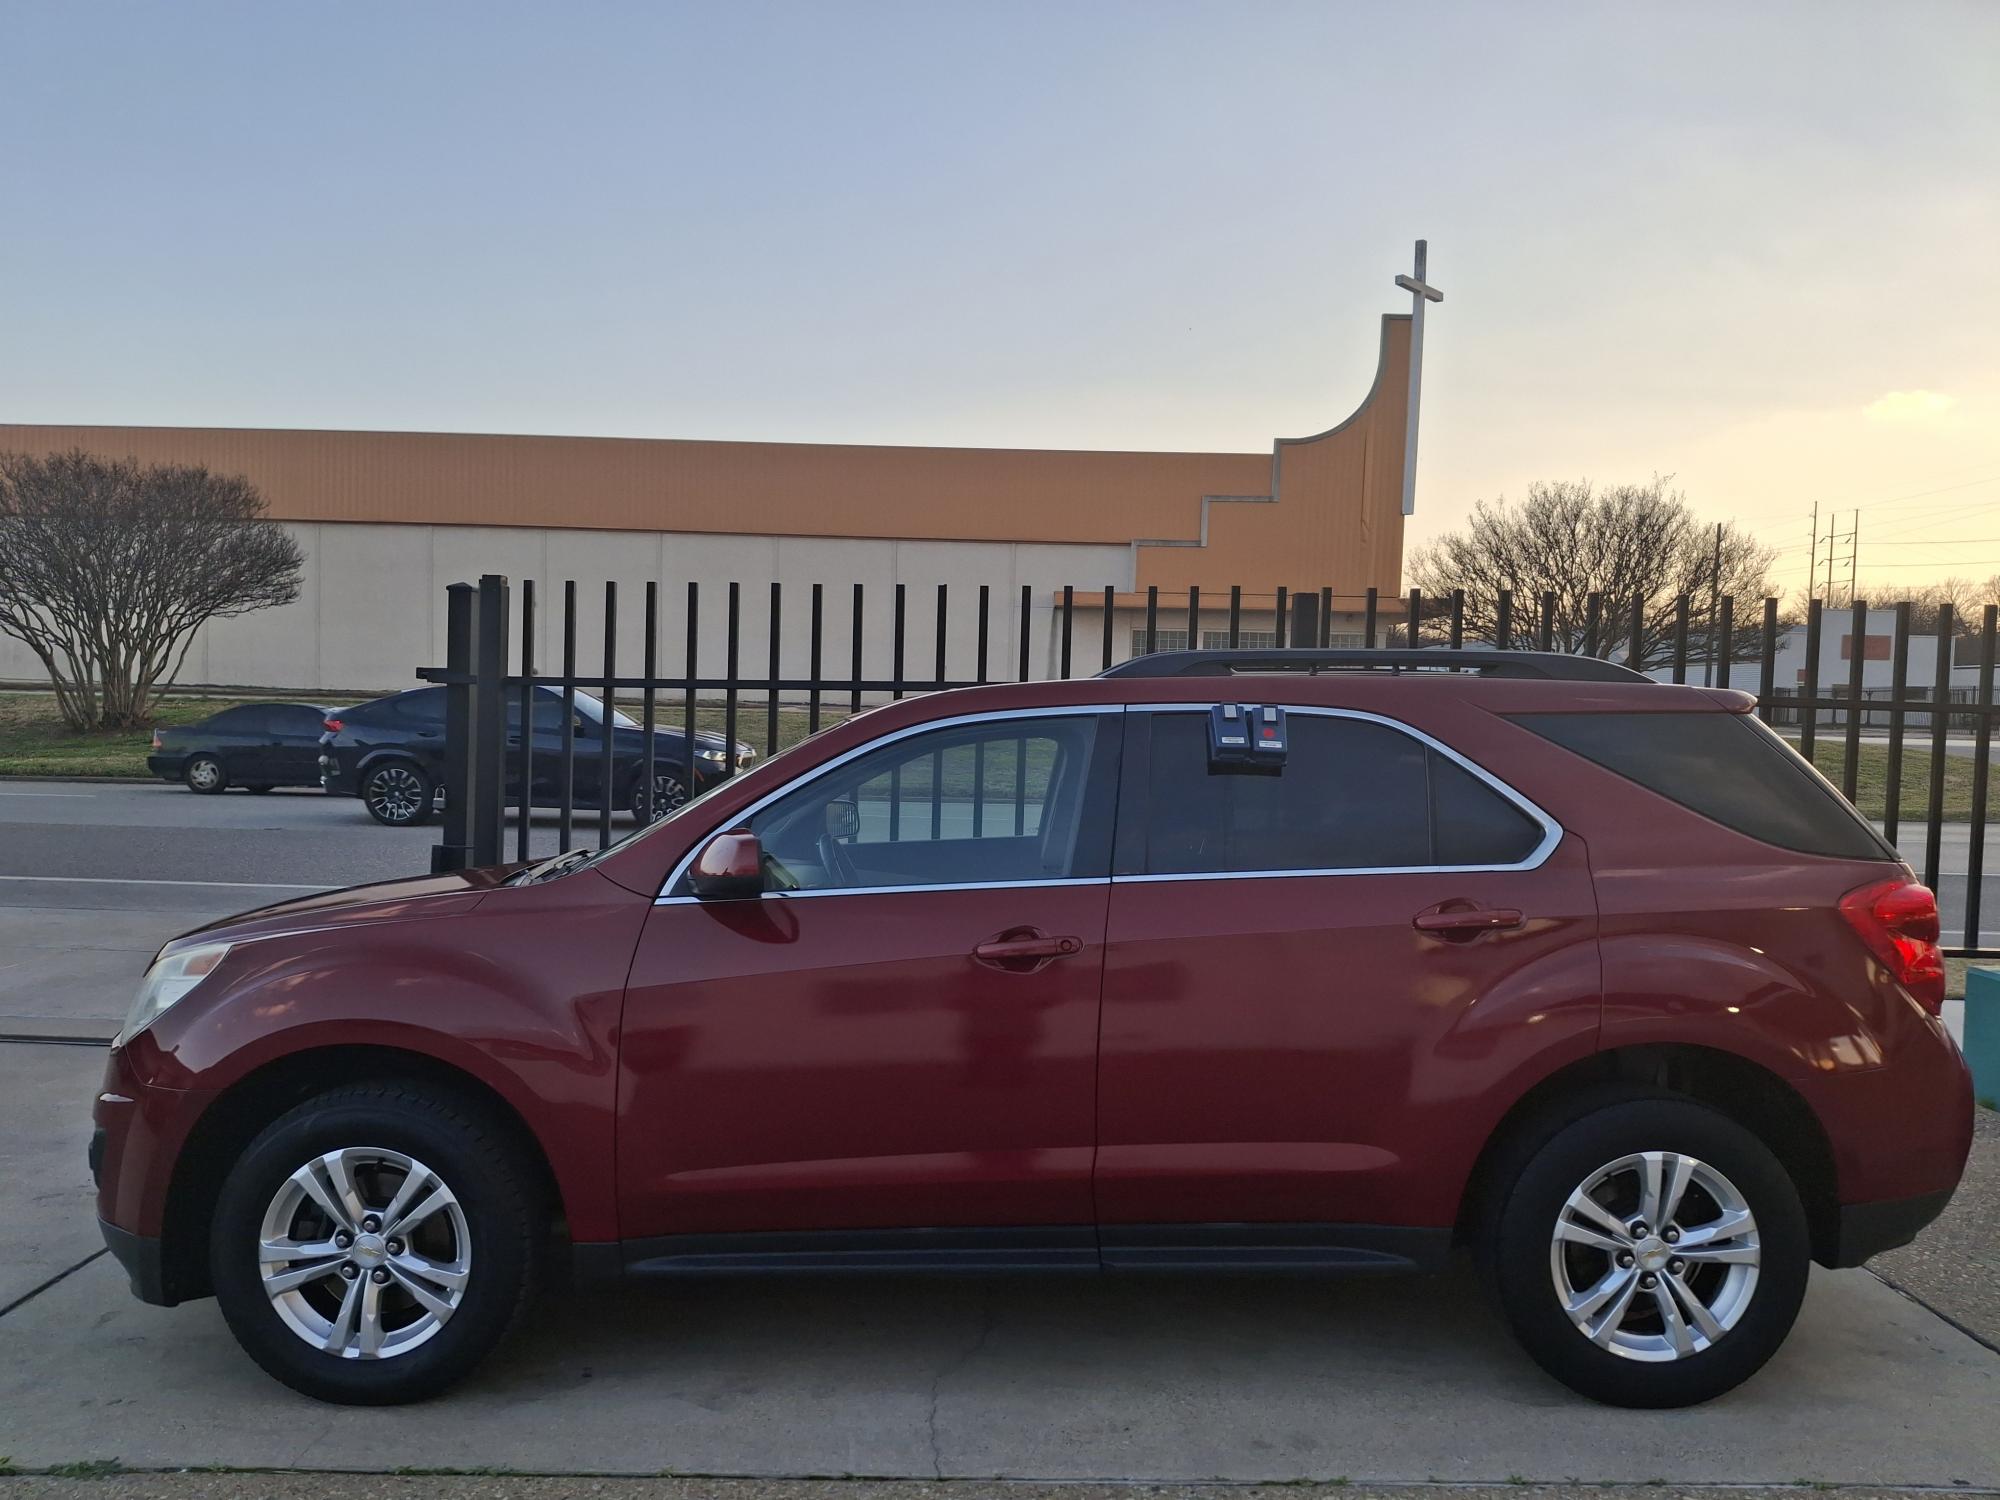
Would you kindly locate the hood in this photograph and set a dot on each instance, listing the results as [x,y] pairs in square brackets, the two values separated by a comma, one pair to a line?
[412,899]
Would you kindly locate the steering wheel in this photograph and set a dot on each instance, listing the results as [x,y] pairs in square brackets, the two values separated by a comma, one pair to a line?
[833,857]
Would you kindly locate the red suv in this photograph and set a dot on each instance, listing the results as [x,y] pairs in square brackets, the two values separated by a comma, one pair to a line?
[1200,965]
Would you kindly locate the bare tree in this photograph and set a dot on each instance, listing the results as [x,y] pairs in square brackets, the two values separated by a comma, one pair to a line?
[108,567]
[1619,545]
[1965,597]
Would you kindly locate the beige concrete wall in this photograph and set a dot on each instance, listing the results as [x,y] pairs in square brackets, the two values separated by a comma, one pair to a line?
[372,603]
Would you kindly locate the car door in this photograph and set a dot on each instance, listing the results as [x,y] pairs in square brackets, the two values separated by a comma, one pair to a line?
[292,732]
[239,737]
[900,1034]
[1315,976]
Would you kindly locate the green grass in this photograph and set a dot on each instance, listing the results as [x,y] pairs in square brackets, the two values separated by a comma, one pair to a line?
[1871,778]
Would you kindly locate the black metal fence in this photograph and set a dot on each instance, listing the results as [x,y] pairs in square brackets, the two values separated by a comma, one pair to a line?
[820,652]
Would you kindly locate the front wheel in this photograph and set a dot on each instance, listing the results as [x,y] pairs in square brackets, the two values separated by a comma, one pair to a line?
[1652,1253]
[374,1244]
[398,794]
[666,793]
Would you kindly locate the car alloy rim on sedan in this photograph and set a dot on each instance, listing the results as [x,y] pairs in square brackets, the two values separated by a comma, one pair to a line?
[364,1253]
[1655,1256]
[668,794]
[396,793]
[204,773]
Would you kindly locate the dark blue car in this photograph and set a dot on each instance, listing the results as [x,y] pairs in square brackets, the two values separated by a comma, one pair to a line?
[390,754]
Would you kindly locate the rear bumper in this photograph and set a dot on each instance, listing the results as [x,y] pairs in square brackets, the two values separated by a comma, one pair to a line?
[166,767]
[1867,1229]
[143,1261]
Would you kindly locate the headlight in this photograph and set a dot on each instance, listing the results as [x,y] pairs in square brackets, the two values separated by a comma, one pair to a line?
[168,980]
[713,757]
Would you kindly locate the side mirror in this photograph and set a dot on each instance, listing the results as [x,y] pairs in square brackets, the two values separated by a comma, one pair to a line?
[730,868]
[843,819]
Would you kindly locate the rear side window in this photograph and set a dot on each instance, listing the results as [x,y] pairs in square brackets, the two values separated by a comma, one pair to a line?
[1725,766]
[1353,795]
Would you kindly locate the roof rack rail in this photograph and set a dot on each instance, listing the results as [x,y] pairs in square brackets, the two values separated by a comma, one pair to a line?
[1546,665]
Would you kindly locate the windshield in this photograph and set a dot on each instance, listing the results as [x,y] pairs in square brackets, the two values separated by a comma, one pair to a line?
[593,710]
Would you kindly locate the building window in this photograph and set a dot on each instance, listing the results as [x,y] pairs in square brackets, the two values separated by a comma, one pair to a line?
[1246,640]
[1168,640]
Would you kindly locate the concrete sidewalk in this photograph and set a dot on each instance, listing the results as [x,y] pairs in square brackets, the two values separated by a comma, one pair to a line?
[1163,1380]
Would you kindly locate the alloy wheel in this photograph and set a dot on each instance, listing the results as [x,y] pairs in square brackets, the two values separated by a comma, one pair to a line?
[1655,1256]
[668,793]
[395,794]
[364,1253]
[204,774]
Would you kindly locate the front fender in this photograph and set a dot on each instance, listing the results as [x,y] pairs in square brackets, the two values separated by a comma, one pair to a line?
[523,994]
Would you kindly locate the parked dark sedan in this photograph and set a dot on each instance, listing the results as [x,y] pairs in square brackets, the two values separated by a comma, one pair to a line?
[256,746]
[390,754]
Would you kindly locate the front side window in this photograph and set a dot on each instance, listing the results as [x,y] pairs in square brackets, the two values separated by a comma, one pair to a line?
[992,802]
[1352,795]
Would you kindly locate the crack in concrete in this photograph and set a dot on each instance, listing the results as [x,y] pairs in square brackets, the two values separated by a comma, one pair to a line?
[987,1320]
[29,1296]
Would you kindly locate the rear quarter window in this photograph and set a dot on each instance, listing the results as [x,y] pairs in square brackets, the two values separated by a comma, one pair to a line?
[1728,767]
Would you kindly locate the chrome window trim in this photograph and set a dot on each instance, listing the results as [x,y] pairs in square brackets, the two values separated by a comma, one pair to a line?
[1552,831]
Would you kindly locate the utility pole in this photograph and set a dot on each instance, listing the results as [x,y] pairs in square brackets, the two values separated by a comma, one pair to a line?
[1812,558]
[1714,607]
[1853,556]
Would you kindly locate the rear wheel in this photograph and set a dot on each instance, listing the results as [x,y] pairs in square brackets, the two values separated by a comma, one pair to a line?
[374,1244]
[398,794]
[1651,1253]
[204,774]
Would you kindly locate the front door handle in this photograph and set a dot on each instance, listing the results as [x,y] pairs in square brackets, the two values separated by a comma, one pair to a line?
[1467,921]
[1023,950]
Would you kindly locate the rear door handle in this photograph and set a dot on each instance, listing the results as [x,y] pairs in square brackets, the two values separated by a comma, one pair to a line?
[1468,921]
[1025,949]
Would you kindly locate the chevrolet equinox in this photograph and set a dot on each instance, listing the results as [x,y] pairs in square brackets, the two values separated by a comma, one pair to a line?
[1204,964]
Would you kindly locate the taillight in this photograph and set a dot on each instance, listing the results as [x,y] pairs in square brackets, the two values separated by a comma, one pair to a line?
[156,739]
[1898,920]
[332,724]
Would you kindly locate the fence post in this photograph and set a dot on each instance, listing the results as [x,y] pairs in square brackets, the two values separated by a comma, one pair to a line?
[488,792]
[453,851]
[1857,653]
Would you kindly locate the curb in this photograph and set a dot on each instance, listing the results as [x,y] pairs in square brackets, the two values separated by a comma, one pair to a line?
[99,780]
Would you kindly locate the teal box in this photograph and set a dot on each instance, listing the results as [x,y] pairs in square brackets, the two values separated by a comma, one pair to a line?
[1982,1032]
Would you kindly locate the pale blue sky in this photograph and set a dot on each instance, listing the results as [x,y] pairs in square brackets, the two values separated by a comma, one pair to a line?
[1704,239]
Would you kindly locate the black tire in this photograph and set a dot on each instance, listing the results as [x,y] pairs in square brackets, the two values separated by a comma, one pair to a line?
[260,788]
[477,1159]
[1535,1184]
[398,793]
[204,774]
[669,792]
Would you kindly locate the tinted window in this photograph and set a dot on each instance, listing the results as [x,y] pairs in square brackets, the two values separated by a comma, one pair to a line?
[955,806]
[545,711]
[1724,766]
[296,718]
[246,720]
[1353,795]
[423,706]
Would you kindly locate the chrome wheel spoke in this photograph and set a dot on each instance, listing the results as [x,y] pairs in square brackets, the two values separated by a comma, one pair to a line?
[439,1197]
[1696,1309]
[1679,1172]
[341,1331]
[1586,1207]
[1723,1255]
[297,1276]
[1580,1234]
[414,1182]
[324,1194]
[451,1278]
[1724,1227]
[371,1333]
[1608,1321]
[1671,1319]
[437,1306]
[1586,1304]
